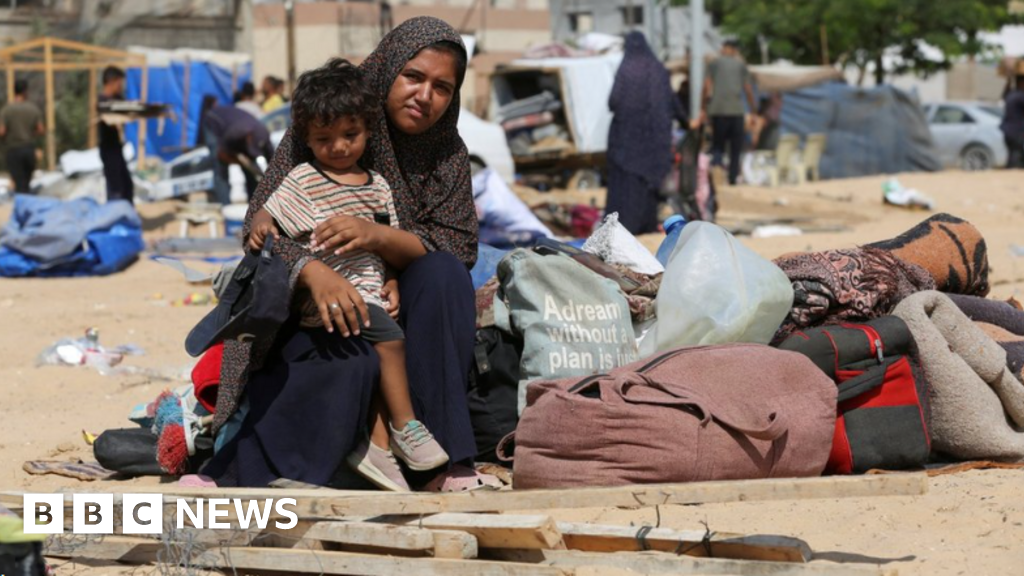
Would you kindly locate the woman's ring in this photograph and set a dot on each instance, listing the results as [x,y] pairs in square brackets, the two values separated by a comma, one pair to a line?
[335,306]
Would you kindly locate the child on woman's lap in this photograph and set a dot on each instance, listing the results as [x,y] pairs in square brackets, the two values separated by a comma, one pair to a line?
[332,110]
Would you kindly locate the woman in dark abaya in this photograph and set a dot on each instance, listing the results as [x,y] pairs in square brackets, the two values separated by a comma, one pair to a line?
[310,393]
[640,138]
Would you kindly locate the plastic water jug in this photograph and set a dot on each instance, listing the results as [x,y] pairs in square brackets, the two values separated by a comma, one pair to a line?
[673,228]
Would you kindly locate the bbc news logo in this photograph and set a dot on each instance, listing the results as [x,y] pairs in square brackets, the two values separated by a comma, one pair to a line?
[144,513]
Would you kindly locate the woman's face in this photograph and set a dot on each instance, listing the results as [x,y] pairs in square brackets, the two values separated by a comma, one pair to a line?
[422,92]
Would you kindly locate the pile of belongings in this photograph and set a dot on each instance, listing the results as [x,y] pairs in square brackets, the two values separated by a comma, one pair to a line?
[505,221]
[886,356]
[49,237]
[535,125]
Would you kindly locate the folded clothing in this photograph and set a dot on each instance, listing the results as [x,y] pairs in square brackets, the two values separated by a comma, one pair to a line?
[835,286]
[996,312]
[977,405]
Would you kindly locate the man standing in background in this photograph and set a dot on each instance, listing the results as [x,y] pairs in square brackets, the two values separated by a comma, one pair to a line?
[21,123]
[234,137]
[245,99]
[726,82]
[115,169]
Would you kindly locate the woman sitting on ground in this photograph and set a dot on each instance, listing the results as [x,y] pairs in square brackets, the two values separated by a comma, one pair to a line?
[309,394]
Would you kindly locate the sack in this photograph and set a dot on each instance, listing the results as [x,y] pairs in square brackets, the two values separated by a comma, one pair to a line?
[572,321]
[493,390]
[715,291]
[883,395]
[737,411]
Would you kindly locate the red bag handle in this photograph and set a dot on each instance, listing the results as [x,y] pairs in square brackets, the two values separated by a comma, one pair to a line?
[676,395]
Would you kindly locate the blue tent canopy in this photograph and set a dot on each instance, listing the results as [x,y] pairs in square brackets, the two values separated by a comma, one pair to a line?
[879,130]
[167,86]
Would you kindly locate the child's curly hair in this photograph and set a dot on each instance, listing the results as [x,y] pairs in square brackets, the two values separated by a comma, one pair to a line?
[333,91]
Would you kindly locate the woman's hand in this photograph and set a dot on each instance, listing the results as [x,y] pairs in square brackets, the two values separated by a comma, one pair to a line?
[392,301]
[338,301]
[344,234]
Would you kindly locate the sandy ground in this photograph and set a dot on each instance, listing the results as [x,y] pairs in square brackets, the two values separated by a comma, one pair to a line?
[971,523]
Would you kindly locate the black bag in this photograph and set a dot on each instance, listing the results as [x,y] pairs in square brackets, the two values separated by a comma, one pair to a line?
[132,452]
[883,395]
[253,305]
[494,390]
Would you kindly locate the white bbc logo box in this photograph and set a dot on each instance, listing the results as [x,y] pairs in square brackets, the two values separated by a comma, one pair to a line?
[94,513]
[144,513]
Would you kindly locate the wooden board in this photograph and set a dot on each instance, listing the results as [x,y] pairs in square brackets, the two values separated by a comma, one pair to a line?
[139,550]
[497,530]
[663,563]
[338,503]
[599,538]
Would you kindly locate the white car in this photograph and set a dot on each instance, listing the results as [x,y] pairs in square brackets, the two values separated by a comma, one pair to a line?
[967,134]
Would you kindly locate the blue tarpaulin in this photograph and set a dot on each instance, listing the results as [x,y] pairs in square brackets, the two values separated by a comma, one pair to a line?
[167,86]
[50,237]
[879,130]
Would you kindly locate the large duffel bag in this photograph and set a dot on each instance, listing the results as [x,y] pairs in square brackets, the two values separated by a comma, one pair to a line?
[733,411]
[883,394]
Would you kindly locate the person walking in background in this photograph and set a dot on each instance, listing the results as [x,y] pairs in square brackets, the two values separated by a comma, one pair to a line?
[245,99]
[21,123]
[640,137]
[726,83]
[1013,123]
[273,93]
[234,137]
[115,169]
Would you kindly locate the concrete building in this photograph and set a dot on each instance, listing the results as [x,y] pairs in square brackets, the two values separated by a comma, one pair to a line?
[503,30]
[667,28]
[201,24]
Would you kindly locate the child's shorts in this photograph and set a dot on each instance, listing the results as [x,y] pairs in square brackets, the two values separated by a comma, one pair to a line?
[383,328]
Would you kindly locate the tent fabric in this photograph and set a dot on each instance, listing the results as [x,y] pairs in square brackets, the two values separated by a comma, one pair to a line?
[49,237]
[586,86]
[167,86]
[879,130]
[786,78]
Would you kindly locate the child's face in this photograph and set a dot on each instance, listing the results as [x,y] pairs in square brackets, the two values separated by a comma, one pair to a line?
[340,145]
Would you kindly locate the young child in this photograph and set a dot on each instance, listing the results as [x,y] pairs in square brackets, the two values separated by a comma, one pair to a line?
[333,109]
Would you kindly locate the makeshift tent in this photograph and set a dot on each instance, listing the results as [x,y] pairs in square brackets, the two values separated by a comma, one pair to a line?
[879,130]
[50,55]
[181,78]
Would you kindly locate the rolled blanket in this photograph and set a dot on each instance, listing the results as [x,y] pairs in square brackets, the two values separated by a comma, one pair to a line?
[950,249]
[1002,314]
[977,406]
[842,285]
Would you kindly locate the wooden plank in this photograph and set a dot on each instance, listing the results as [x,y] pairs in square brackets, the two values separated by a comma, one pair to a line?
[307,561]
[369,534]
[360,503]
[93,111]
[51,115]
[186,91]
[10,82]
[600,538]
[497,531]
[111,548]
[454,544]
[140,153]
[663,563]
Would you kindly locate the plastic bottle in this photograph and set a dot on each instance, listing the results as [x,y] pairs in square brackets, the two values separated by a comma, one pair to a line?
[673,228]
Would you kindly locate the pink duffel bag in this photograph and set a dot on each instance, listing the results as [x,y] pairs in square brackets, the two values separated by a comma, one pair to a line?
[735,411]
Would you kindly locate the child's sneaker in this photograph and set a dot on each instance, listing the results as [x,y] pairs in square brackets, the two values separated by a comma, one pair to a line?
[378,466]
[416,446]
